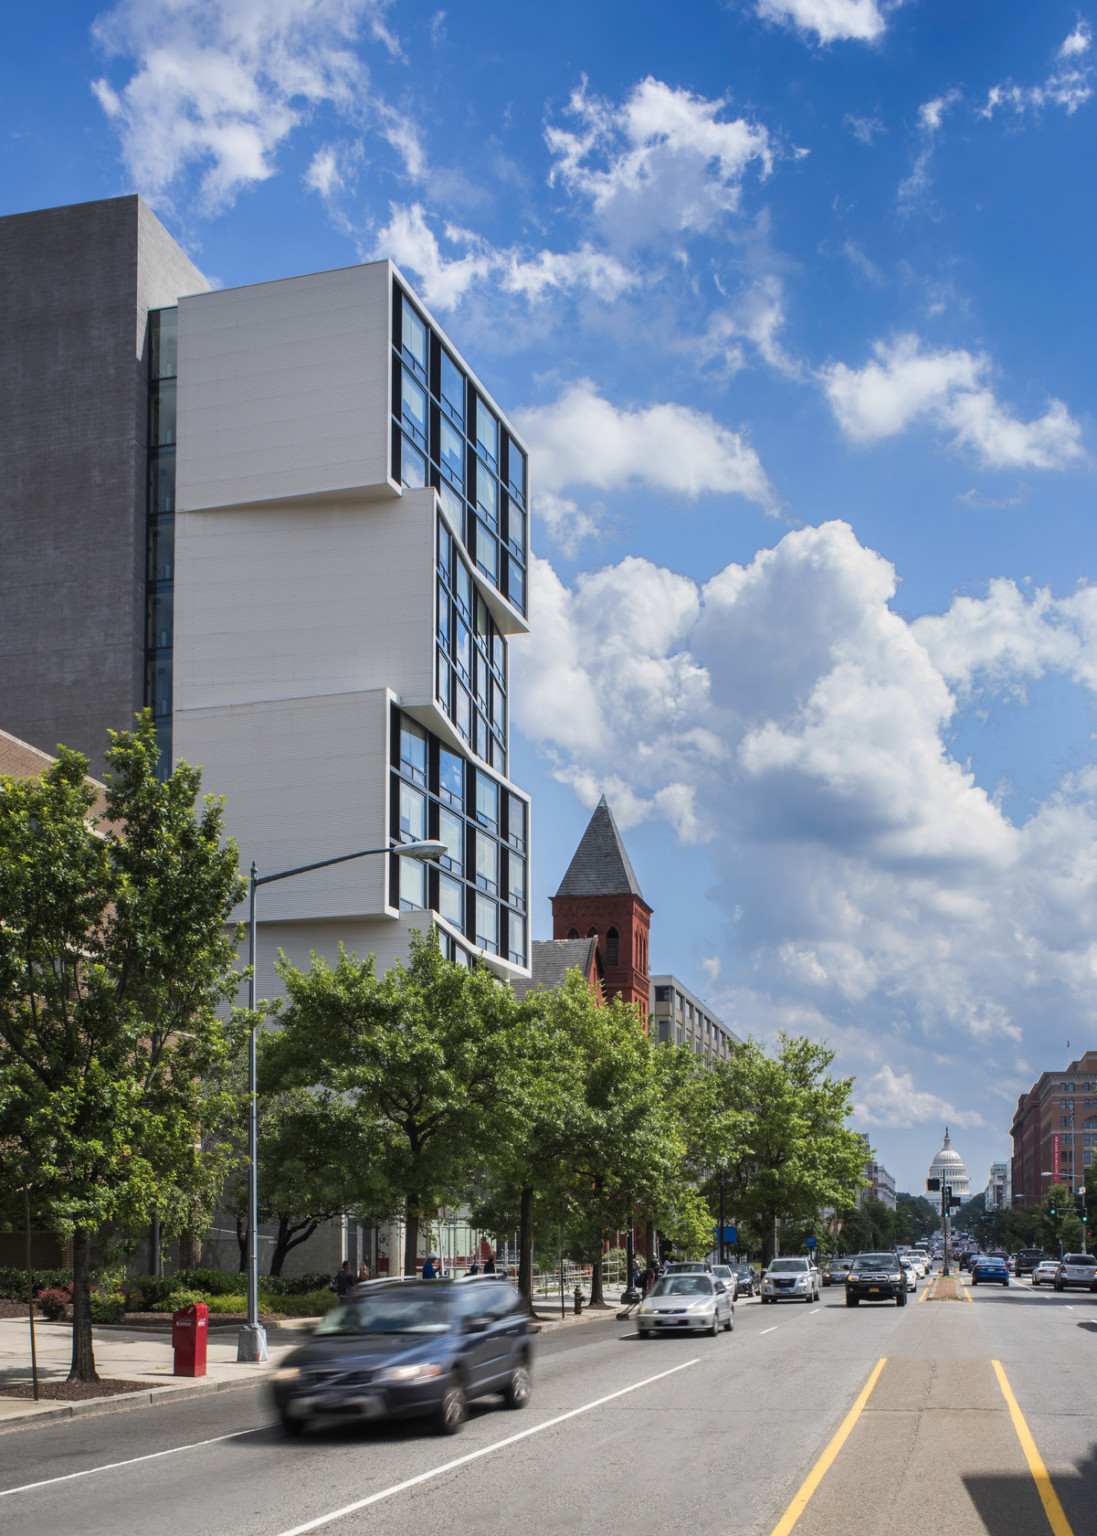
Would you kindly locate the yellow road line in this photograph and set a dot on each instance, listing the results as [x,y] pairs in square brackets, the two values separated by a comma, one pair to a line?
[822,1466]
[1048,1497]
[928,1290]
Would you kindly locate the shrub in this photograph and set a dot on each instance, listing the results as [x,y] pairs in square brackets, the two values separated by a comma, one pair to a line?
[222,1304]
[310,1304]
[55,1301]
[13,1281]
[175,1300]
[293,1285]
[107,1306]
[147,1293]
[211,1282]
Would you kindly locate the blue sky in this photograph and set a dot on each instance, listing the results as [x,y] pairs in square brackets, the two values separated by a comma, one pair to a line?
[793,302]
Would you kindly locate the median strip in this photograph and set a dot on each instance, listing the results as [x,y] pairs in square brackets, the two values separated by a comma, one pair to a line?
[821,1467]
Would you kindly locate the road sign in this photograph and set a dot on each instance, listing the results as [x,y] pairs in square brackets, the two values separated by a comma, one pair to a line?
[810,1242]
[731,1235]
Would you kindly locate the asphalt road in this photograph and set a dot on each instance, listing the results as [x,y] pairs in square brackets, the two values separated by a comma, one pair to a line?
[706,1435]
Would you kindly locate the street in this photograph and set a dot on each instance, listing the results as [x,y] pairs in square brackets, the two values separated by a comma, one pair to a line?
[694,1434]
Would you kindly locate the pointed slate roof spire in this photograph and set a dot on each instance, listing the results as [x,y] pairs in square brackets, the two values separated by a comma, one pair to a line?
[601,866]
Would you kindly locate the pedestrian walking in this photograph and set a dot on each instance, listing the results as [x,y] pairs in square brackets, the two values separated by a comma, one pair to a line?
[344,1280]
[363,1272]
[429,1272]
[489,1264]
[474,1268]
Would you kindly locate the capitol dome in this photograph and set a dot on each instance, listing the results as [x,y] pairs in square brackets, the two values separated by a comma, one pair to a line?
[948,1166]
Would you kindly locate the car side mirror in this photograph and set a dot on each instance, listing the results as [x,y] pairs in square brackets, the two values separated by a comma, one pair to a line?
[476,1325]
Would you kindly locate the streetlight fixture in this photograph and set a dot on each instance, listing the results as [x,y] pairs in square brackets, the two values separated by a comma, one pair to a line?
[252,1344]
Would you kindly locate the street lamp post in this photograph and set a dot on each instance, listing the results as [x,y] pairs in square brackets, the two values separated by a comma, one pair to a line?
[252,1343]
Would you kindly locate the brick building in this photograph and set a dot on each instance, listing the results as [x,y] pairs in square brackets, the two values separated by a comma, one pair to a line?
[600,898]
[1055,1130]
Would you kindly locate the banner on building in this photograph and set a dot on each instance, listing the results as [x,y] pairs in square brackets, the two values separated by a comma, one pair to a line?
[1056,1158]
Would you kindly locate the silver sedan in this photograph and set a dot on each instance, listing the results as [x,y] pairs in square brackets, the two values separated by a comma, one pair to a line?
[684,1303]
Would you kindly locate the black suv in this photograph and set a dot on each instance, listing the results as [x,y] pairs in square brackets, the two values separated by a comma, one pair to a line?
[406,1348]
[876,1277]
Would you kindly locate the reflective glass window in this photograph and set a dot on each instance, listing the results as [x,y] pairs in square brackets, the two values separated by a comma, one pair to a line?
[487,496]
[516,881]
[413,336]
[487,552]
[516,474]
[498,709]
[158,685]
[161,487]
[451,776]
[487,433]
[462,588]
[163,343]
[482,681]
[487,801]
[453,387]
[413,408]
[413,466]
[160,608]
[498,758]
[516,817]
[451,831]
[499,654]
[453,503]
[487,924]
[161,560]
[413,883]
[483,618]
[462,650]
[444,676]
[482,744]
[451,449]
[443,617]
[451,901]
[162,414]
[413,750]
[517,939]
[516,586]
[462,711]
[487,862]
[516,530]
[413,814]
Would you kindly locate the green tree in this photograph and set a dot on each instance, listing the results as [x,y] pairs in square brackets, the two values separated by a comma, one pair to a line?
[114,959]
[917,1218]
[798,1158]
[418,1055]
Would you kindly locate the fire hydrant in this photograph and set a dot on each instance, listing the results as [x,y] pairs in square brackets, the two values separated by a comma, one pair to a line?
[578,1300]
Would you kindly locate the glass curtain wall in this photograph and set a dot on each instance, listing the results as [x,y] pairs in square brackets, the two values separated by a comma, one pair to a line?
[162,354]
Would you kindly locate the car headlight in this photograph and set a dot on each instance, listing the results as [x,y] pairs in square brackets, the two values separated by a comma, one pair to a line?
[645,1306]
[286,1373]
[409,1372]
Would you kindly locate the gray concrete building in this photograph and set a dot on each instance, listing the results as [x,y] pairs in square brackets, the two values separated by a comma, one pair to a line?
[679,1017]
[76,286]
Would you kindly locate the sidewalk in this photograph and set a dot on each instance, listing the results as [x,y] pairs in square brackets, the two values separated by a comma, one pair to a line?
[140,1356]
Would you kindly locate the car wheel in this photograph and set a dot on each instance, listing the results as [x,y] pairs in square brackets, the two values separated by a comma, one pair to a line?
[1058,1287]
[731,1320]
[293,1426]
[714,1327]
[519,1387]
[645,1333]
[851,1301]
[901,1299]
[454,1409]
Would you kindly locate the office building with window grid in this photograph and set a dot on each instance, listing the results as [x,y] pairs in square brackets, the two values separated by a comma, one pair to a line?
[314,518]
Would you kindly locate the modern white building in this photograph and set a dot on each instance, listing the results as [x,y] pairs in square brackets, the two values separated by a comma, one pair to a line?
[681,1018]
[998,1190]
[350,556]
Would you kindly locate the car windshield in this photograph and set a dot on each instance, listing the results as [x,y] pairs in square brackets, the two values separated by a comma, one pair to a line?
[739,1269]
[788,1266]
[390,1312]
[1079,1258]
[866,1261]
[682,1285]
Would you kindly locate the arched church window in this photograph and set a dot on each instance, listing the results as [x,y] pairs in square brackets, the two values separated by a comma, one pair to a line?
[573,933]
[611,946]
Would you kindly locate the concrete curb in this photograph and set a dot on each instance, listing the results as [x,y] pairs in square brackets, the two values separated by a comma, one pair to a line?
[148,1397]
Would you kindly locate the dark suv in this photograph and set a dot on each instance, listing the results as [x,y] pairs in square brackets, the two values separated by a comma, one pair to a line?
[407,1348]
[876,1277]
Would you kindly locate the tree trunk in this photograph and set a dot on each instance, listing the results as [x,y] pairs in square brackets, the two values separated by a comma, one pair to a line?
[290,1237]
[242,1243]
[83,1355]
[596,1297]
[411,1241]
[190,1249]
[525,1250]
[649,1243]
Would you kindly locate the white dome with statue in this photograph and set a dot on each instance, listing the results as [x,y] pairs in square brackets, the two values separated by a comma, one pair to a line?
[948,1166]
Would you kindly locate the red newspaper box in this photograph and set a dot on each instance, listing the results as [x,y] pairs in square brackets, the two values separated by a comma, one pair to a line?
[189,1327]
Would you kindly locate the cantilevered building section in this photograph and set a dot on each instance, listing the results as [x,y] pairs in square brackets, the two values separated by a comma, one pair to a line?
[351,556]
[600,898]
[678,1017]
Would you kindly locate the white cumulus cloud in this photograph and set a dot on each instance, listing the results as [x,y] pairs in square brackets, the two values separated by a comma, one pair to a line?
[905,383]
[890,1098]
[220,84]
[1068,84]
[830,21]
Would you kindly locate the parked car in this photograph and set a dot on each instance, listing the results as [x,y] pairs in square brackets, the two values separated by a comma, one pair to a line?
[684,1303]
[989,1269]
[1045,1272]
[835,1272]
[747,1279]
[791,1280]
[876,1277]
[406,1349]
[1077,1269]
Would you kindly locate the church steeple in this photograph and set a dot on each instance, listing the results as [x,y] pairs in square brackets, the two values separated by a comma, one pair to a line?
[600,897]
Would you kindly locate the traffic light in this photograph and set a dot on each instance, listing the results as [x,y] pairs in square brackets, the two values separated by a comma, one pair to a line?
[1051,1206]
[933,1186]
[954,1202]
